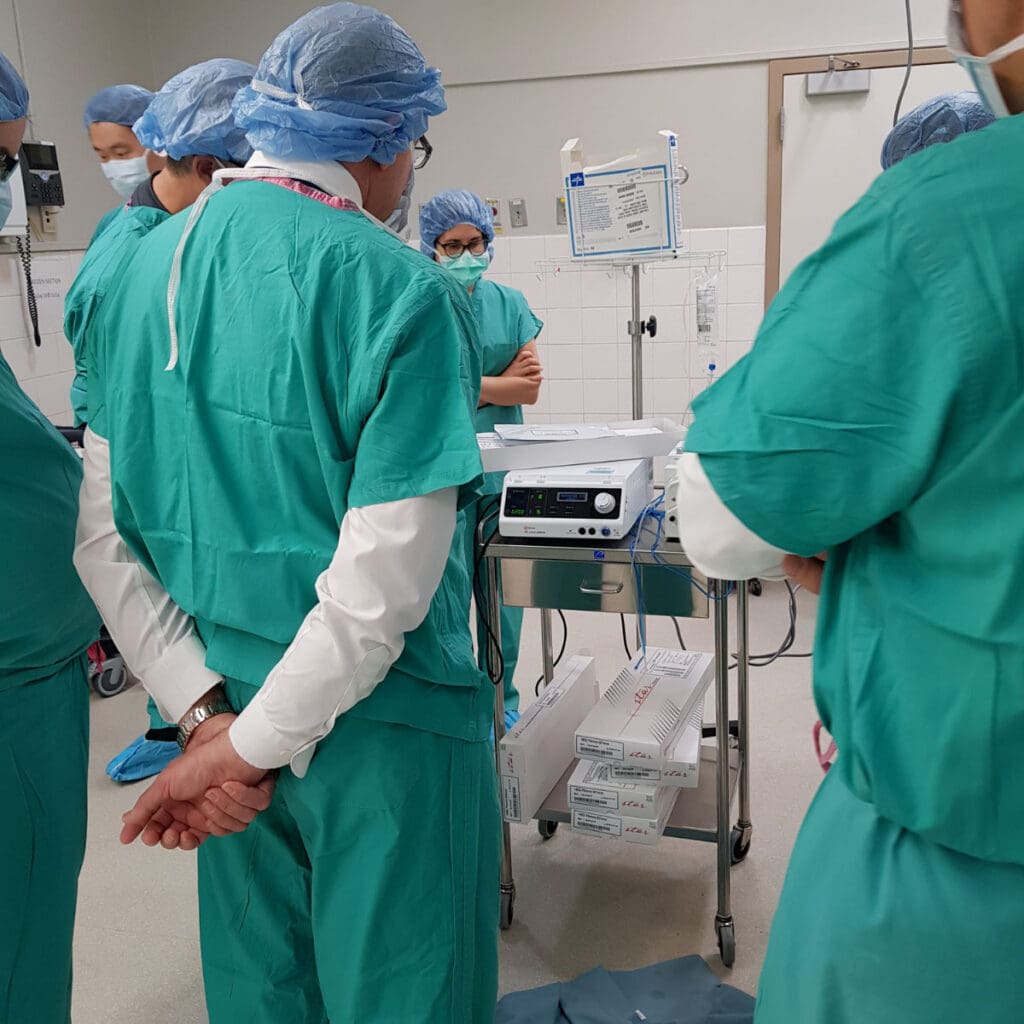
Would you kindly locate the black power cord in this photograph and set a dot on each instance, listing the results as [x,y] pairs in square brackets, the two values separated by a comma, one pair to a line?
[24,243]
[495,668]
[625,635]
[783,650]
[910,65]
[561,651]
[625,638]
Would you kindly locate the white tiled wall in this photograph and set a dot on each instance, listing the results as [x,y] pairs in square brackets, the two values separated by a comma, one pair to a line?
[45,372]
[584,346]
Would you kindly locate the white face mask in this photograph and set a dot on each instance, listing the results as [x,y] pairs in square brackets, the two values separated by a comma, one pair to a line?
[980,68]
[125,176]
[399,219]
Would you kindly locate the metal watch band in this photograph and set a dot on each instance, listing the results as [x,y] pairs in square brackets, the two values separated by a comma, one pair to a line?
[199,714]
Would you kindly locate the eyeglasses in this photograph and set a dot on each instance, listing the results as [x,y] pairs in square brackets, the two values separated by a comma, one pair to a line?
[478,246]
[421,152]
[8,164]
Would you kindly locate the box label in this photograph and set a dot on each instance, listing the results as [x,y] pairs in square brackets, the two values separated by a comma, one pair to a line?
[587,797]
[603,750]
[510,801]
[634,773]
[596,824]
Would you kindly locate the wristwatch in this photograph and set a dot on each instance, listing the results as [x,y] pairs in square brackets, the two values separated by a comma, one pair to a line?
[198,714]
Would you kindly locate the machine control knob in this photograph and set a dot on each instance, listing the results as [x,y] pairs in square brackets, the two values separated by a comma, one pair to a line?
[604,503]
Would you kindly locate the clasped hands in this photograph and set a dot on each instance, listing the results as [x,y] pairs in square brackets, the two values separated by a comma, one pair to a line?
[209,790]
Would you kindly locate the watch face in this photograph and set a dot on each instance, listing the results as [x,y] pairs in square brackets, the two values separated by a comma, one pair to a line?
[7,165]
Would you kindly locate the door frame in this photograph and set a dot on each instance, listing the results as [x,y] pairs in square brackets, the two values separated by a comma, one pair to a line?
[778,71]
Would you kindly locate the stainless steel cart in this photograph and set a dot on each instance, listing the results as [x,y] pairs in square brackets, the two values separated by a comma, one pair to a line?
[590,578]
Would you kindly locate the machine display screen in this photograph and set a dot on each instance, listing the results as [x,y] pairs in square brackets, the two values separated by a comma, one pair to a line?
[572,495]
[41,158]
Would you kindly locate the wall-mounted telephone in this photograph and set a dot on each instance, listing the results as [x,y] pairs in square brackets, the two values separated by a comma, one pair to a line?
[40,174]
[38,184]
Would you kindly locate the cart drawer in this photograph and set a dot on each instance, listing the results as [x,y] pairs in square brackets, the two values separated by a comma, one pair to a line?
[600,587]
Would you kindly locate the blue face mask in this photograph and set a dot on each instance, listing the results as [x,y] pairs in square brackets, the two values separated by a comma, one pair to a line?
[467,268]
[5,202]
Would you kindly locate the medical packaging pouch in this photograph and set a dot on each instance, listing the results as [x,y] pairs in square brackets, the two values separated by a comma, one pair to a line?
[645,831]
[681,770]
[627,206]
[640,717]
[536,752]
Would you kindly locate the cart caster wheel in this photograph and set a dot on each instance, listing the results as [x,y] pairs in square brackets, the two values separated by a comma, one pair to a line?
[739,845]
[726,942]
[547,829]
[508,909]
[111,681]
[755,588]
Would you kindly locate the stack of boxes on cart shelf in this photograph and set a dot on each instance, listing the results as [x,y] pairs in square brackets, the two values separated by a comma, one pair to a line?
[638,745]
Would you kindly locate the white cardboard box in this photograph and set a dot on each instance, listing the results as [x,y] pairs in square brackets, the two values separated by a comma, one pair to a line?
[640,716]
[571,444]
[536,751]
[591,788]
[682,769]
[645,831]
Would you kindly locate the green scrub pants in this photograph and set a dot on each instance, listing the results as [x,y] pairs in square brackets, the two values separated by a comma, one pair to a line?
[367,892]
[878,926]
[44,759]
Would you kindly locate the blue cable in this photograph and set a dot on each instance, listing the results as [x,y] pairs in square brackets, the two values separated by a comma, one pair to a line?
[652,511]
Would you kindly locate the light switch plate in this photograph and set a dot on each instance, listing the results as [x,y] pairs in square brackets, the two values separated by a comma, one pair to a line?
[517,213]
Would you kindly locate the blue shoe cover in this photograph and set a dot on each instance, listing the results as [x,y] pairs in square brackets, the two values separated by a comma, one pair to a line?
[142,759]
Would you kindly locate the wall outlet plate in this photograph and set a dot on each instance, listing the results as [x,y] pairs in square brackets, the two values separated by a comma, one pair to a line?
[517,213]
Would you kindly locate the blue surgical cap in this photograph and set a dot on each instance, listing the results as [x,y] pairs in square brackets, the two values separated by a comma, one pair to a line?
[192,114]
[940,119]
[454,206]
[117,104]
[13,94]
[342,83]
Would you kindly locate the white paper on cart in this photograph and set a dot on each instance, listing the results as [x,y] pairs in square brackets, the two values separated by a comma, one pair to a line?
[681,770]
[536,751]
[640,716]
[557,432]
[574,444]
[645,831]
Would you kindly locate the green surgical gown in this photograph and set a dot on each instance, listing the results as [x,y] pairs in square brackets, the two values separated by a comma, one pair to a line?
[46,623]
[506,324]
[109,256]
[105,221]
[322,366]
[880,417]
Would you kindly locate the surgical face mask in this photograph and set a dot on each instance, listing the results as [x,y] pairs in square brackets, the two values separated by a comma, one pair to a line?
[5,202]
[125,176]
[467,268]
[980,68]
[399,219]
